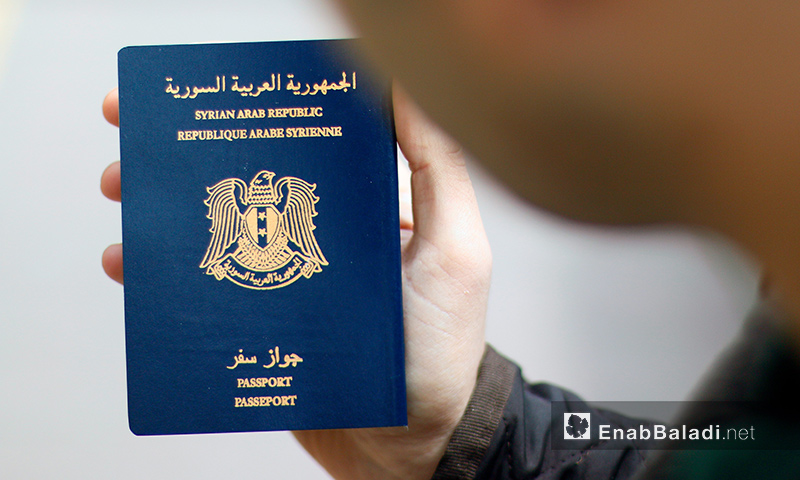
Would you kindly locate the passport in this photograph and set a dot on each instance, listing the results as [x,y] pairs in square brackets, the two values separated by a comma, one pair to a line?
[261,241]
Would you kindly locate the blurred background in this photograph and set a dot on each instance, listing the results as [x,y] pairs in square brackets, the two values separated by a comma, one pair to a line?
[612,315]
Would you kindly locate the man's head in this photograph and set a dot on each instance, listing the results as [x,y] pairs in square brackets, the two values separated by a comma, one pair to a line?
[604,111]
[618,112]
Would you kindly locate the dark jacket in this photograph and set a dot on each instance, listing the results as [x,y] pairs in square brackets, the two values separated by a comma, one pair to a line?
[505,432]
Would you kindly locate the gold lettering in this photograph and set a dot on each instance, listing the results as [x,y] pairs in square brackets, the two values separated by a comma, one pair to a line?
[214,114]
[258,133]
[294,112]
[272,401]
[263,382]
[301,132]
[229,135]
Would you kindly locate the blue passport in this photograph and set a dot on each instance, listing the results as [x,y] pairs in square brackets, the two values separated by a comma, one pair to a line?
[261,240]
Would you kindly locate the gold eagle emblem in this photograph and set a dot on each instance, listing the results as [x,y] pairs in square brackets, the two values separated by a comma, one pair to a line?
[262,235]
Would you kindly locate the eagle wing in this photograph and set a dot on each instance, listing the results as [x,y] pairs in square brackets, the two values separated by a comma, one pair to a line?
[226,218]
[298,214]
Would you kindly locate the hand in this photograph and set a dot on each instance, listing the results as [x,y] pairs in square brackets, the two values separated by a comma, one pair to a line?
[446,270]
[110,186]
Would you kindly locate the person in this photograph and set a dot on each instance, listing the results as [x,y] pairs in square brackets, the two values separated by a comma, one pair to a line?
[621,113]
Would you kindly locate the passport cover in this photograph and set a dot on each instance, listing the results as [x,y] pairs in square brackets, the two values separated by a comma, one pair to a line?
[261,239]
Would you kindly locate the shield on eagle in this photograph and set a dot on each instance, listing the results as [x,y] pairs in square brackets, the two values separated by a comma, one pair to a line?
[262,224]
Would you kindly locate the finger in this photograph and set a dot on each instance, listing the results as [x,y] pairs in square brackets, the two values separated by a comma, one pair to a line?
[404,192]
[110,182]
[445,211]
[111,107]
[112,262]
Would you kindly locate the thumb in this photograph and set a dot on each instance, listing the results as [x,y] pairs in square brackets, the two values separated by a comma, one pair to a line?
[444,205]
[446,272]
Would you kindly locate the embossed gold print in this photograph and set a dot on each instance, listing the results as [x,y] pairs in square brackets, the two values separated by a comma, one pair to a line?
[262,235]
